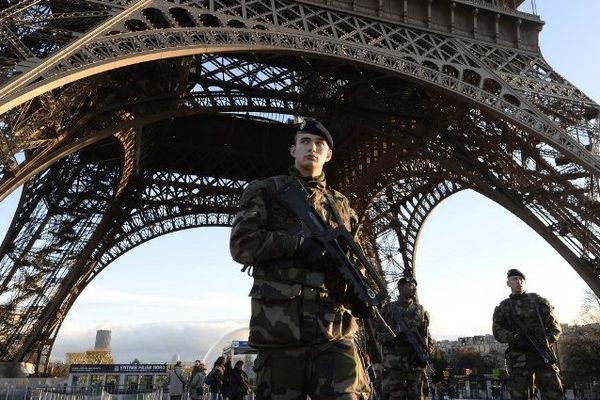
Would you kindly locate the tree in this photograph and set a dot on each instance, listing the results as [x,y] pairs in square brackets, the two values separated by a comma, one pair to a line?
[58,368]
[439,364]
[579,353]
[470,358]
[590,309]
[579,346]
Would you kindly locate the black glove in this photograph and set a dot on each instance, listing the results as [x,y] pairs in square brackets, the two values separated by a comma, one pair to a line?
[417,362]
[519,342]
[361,309]
[312,253]
[401,339]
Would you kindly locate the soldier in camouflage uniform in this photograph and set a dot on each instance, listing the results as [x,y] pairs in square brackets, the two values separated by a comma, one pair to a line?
[403,373]
[523,364]
[301,322]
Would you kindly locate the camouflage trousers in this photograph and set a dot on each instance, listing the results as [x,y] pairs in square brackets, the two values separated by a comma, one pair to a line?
[547,380]
[403,384]
[332,370]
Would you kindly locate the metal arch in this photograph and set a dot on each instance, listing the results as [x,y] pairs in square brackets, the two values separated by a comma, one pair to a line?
[431,143]
[397,217]
[317,31]
[109,250]
[119,230]
[272,91]
[552,198]
[183,210]
[35,247]
[493,156]
[213,101]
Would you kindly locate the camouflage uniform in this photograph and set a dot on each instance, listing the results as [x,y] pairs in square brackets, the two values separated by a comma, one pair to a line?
[522,363]
[300,319]
[403,376]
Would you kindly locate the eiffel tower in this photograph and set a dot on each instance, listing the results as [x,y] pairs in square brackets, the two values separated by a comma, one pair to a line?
[124,120]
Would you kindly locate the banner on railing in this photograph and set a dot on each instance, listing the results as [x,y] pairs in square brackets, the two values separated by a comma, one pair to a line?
[117,368]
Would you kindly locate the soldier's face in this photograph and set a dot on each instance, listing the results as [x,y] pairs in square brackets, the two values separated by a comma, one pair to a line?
[407,290]
[516,284]
[310,153]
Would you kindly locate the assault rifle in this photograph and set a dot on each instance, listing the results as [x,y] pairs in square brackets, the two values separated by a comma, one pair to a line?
[368,288]
[415,341]
[541,349]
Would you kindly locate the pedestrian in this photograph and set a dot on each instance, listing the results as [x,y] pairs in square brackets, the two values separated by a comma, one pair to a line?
[302,320]
[227,369]
[215,379]
[197,381]
[495,391]
[371,377]
[238,386]
[177,381]
[405,356]
[596,390]
[524,364]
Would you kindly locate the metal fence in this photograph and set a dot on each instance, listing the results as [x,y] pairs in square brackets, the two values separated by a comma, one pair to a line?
[12,390]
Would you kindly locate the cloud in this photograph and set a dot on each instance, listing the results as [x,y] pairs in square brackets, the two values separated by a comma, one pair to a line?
[102,296]
[148,342]
[99,304]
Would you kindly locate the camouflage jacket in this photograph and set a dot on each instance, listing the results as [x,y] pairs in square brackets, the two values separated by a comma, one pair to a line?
[292,303]
[399,353]
[534,311]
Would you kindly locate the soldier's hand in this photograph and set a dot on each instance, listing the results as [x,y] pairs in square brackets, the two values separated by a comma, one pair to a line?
[312,253]
[361,310]
[401,339]
[519,342]
[417,362]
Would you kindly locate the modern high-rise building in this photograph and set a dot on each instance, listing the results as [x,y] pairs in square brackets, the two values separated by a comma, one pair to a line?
[102,339]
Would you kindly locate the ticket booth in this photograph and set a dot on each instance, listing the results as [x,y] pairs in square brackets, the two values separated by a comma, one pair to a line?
[117,378]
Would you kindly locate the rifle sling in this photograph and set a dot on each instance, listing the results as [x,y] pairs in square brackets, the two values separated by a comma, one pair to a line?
[334,210]
[537,310]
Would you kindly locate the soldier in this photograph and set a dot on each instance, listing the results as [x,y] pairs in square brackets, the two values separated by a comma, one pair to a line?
[523,363]
[301,321]
[403,368]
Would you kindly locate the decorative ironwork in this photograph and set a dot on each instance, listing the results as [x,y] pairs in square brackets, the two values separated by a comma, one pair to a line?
[127,120]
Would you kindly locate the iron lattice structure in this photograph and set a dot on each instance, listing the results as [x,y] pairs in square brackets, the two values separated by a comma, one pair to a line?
[125,120]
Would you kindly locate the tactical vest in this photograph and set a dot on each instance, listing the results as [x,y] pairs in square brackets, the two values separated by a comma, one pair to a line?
[400,355]
[292,304]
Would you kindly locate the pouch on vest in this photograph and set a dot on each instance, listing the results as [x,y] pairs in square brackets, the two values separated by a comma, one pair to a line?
[276,314]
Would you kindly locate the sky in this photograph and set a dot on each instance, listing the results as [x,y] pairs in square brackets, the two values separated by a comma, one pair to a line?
[177,295]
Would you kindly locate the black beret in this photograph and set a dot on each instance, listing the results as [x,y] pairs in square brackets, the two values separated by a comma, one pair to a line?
[515,272]
[312,126]
[407,279]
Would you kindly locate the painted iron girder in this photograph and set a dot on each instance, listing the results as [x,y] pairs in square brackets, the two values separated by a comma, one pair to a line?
[257,89]
[192,179]
[397,217]
[149,208]
[57,216]
[89,111]
[492,159]
[407,51]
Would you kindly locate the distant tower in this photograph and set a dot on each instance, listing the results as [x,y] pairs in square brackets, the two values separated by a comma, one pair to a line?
[101,354]
[102,339]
